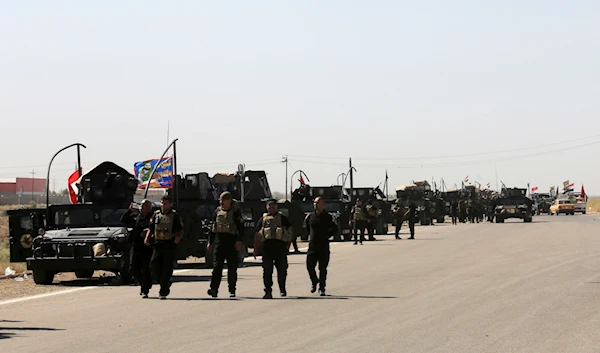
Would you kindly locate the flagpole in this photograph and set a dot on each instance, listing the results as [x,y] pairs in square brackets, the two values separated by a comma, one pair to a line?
[156,166]
[496,171]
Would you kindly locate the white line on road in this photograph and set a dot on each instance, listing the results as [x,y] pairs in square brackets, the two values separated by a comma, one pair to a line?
[45,295]
[73,290]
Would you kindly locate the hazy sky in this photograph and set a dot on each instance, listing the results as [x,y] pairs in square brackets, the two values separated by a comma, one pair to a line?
[399,85]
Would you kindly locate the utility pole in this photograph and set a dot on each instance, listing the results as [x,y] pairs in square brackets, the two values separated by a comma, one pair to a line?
[32,183]
[351,179]
[285,160]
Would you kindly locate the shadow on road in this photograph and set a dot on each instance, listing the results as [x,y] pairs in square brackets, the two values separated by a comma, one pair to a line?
[6,335]
[177,279]
[327,297]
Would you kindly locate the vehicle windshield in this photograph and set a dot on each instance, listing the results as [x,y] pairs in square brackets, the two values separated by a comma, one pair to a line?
[332,207]
[87,217]
[565,202]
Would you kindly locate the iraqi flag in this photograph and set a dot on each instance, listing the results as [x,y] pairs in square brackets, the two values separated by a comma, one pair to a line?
[583,195]
[534,189]
[467,179]
[301,180]
[73,189]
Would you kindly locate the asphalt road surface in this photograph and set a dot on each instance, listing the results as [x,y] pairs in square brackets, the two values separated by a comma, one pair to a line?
[511,287]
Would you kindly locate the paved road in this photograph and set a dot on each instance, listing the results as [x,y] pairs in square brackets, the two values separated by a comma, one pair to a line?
[510,287]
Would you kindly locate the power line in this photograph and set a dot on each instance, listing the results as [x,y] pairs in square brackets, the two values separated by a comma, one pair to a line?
[457,163]
[454,156]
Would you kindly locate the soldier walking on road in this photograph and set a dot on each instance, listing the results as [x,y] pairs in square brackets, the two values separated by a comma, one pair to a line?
[321,227]
[399,216]
[273,230]
[167,230]
[359,218]
[140,254]
[226,239]
[411,217]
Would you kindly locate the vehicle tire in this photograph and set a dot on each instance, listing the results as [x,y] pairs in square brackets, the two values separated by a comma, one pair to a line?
[43,277]
[84,274]
[441,219]
[583,212]
[498,220]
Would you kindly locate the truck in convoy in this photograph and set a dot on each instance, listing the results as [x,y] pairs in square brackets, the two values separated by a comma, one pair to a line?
[377,199]
[513,203]
[337,204]
[79,238]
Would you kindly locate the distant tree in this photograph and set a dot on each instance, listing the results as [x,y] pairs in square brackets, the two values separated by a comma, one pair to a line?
[64,192]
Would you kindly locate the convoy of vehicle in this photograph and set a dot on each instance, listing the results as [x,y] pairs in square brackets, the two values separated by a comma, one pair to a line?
[89,236]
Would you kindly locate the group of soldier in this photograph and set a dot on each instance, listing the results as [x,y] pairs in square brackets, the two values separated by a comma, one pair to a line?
[473,211]
[154,238]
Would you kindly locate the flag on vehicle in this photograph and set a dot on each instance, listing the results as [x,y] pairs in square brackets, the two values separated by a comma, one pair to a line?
[488,185]
[162,177]
[467,179]
[73,190]
[534,189]
[301,180]
[583,195]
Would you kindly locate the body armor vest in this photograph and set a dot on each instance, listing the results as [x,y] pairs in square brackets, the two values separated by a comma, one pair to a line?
[273,228]
[225,222]
[163,225]
[359,215]
[372,211]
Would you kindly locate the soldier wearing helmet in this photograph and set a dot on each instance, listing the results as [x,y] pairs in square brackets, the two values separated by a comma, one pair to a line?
[226,240]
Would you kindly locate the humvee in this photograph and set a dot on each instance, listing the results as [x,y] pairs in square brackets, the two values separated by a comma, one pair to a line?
[513,203]
[377,198]
[79,238]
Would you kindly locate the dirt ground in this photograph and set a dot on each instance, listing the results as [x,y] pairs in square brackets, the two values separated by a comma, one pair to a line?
[11,288]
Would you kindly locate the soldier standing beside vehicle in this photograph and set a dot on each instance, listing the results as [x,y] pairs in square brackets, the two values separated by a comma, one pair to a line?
[411,217]
[359,219]
[454,211]
[166,228]
[226,237]
[140,254]
[399,215]
[321,227]
[273,230]
[372,214]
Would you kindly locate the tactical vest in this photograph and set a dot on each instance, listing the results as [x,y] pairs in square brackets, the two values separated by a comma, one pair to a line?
[372,211]
[163,225]
[272,228]
[225,222]
[359,215]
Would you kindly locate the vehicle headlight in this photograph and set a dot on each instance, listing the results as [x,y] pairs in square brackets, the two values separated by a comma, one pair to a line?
[522,206]
[247,216]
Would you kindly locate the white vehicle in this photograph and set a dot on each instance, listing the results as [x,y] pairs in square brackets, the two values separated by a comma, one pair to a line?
[579,202]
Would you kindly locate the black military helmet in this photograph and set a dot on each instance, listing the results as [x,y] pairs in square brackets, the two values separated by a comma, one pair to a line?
[225,196]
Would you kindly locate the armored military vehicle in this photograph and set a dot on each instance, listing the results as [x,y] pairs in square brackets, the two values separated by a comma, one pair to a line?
[543,201]
[337,204]
[377,199]
[513,203]
[78,238]
[417,194]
